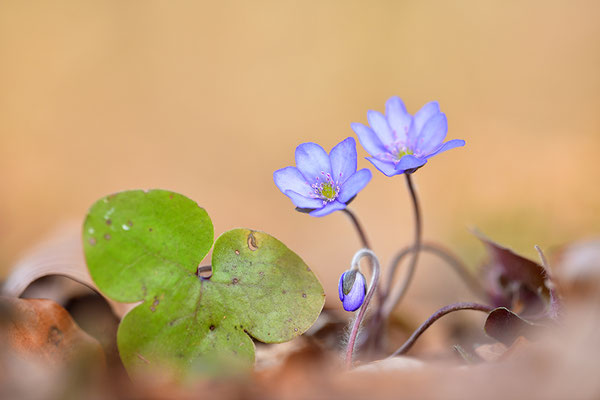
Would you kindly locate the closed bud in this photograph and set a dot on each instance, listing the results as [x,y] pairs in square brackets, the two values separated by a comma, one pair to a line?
[352,289]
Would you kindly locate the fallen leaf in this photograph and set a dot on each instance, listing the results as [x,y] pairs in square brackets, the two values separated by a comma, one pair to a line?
[42,330]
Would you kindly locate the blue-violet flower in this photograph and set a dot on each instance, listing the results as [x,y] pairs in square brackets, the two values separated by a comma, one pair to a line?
[322,183]
[400,143]
[352,289]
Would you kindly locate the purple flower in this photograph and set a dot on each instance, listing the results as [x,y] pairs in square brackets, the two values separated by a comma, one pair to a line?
[399,142]
[322,183]
[352,289]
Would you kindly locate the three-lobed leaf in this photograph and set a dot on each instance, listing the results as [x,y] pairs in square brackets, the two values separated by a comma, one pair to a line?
[146,246]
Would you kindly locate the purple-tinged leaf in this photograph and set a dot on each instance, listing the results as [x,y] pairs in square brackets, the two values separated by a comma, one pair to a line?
[505,326]
[516,282]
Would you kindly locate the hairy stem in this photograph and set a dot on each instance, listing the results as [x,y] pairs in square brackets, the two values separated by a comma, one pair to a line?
[361,233]
[374,264]
[434,317]
[391,302]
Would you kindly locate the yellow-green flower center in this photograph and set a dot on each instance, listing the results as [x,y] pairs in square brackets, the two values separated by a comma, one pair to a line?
[328,191]
[403,152]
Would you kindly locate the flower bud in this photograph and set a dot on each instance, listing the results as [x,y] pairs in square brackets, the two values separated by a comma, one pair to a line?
[352,289]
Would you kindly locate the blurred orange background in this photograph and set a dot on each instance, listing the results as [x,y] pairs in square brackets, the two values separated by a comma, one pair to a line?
[209,98]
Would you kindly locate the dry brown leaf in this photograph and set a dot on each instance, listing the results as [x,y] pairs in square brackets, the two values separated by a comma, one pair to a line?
[60,254]
[491,352]
[42,330]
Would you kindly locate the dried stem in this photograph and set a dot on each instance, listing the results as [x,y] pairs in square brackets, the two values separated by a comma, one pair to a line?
[374,264]
[434,317]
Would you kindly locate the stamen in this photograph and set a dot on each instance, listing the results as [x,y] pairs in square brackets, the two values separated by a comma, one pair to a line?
[326,191]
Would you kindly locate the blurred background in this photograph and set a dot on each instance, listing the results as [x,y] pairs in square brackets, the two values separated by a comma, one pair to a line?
[209,98]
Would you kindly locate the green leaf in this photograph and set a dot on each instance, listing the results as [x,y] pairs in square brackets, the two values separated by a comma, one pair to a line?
[146,246]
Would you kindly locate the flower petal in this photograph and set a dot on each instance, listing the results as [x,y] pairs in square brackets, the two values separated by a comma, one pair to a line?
[303,201]
[328,209]
[368,139]
[312,161]
[398,118]
[432,135]
[421,117]
[354,184]
[341,287]
[343,160]
[381,127]
[290,178]
[386,167]
[353,300]
[450,144]
[409,162]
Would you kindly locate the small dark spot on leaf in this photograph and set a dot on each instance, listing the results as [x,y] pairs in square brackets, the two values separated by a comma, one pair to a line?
[235,281]
[107,236]
[295,329]
[304,295]
[284,291]
[149,229]
[108,221]
[180,355]
[308,269]
[261,273]
[212,328]
[155,303]
[92,241]
[171,196]
[129,223]
[237,252]
[55,336]
[252,242]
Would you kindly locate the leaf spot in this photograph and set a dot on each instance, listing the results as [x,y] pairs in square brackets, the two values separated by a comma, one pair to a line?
[55,336]
[212,328]
[149,229]
[108,221]
[237,252]
[304,295]
[252,242]
[107,236]
[155,303]
[235,281]
[284,291]
[92,241]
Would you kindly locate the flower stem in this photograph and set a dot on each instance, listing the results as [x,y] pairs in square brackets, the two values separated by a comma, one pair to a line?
[361,233]
[391,302]
[374,264]
[446,255]
[434,317]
